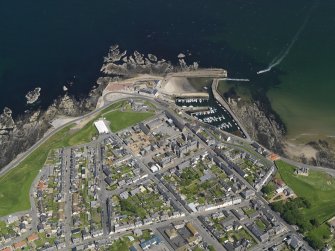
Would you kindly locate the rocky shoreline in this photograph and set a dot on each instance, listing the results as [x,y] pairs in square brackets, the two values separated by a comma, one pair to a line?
[265,127]
[261,123]
[17,135]
[33,95]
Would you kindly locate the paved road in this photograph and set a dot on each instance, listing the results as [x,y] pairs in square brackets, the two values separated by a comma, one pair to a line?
[107,103]
[103,193]
[21,157]
[222,102]
[66,165]
[188,216]
[177,203]
[316,168]
[278,218]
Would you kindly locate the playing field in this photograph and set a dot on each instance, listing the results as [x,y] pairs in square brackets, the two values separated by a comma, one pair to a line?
[15,184]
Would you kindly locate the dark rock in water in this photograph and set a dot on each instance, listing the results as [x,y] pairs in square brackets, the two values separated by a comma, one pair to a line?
[325,154]
[6,122]
[152,57]
[119,64]
[259,125]
[17,136]
[33,95]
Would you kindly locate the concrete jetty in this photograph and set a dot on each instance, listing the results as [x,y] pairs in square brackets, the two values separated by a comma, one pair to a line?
[218,97]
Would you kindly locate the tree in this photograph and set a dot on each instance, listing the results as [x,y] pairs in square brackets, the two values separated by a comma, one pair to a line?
[290,217]
[305,225]
[307,203]
[315,222]
[278,207]
[315,242]
[211,248]
[269,188]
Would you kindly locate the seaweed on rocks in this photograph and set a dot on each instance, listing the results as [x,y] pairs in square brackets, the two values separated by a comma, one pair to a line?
[17,135]
[32,96]
[20,133]
[119,63]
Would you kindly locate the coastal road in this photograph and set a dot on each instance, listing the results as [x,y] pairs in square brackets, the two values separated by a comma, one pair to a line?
[247,141]
[107,103]
[21,157]
[316,168]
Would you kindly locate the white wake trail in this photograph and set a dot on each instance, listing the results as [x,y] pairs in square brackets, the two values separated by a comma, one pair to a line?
[283,54]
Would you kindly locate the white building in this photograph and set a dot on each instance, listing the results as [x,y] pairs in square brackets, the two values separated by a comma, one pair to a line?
[101,127]
[154,168]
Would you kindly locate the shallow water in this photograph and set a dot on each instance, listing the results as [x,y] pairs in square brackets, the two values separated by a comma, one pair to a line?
[48,44]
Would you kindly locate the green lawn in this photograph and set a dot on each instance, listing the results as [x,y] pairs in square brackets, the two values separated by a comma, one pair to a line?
[15,184]
[120,245]
[317,187]
[260,224]
[120,120]
[322,232]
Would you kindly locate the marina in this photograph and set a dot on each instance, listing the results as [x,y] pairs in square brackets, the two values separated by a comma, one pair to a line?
[192,102]
[211,112]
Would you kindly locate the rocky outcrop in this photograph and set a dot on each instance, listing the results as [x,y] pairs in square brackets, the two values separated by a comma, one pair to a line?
[261,126]
[24,132]
[17,135]
[119,63]
[33,95]
[6,122]
[325,155]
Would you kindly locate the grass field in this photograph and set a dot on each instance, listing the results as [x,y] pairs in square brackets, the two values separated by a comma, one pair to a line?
[15,184]
[319,189]
[120,120]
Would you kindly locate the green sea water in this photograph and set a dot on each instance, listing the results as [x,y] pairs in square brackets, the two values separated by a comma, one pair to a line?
[301,88]
[49,44]
[306,98]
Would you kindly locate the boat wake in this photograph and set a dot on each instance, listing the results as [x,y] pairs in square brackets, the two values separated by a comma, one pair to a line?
[283,54]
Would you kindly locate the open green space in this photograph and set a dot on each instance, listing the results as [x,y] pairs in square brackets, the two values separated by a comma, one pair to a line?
[4,229]
[318,188]
[120,120]
[43,240]
[142,204]
[190,185]
[15,184]
[260,224]
[248,211]
[120,245]
[243,234]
